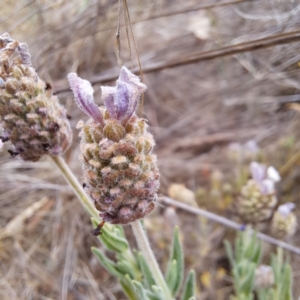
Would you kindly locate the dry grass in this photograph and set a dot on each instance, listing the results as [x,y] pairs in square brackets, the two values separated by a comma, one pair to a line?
[195,111]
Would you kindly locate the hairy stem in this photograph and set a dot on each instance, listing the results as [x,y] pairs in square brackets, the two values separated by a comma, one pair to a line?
[76,186]
[145,248]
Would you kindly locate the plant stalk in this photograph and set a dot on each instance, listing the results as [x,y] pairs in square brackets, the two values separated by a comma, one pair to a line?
[145,248]
[76,186]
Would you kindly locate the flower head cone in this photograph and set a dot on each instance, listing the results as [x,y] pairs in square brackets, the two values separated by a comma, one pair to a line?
[258,200]
[31,117]
[284,222]
[120,171]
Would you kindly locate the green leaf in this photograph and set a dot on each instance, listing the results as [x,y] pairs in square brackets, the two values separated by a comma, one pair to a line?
[119,230]
[106,263]
[256,253]
[174,274]
[140,291]
[129,288]
[229,252]
[172,279]
[189,290]
[153,296]
[124,267]
[149,281]
[157,293]
[111,237]
[247,282]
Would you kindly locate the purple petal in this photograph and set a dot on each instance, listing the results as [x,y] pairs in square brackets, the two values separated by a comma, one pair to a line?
[132,104]
[286,209]
[122,100]
[129,78]
[129,90]
[258,171]
[108,99]
[267,186]
[83,95]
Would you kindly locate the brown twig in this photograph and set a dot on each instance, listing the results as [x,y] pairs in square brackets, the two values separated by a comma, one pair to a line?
[273,40]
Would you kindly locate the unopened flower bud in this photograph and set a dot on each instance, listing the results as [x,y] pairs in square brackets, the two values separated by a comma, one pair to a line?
[32,119]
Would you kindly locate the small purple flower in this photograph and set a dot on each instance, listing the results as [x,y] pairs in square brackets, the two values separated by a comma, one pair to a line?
[121,101]
[83,95]
[264,177]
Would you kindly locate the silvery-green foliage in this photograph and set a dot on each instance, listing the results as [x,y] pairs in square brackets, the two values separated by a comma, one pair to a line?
[133,272]
[282,288]
[174,274]
[189,290]
[245,261]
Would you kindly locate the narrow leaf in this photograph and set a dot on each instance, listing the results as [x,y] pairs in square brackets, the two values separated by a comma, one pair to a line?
[172,277]
[106,263]
[153,296]
[125,267]
[176,255]
[139,290]
[229,252]
[149,281]
[247,282]
[111,238]
[189,290]
[157,293]
[128,288]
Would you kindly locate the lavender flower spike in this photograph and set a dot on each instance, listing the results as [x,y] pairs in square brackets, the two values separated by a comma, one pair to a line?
[121,101]
[83,95]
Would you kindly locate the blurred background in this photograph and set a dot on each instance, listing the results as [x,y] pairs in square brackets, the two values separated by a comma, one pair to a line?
[223,90]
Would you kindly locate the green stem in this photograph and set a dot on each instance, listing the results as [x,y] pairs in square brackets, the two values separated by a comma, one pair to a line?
[76,186]
[150,258]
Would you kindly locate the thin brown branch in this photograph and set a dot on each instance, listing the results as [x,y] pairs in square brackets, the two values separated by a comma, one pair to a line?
[273,40]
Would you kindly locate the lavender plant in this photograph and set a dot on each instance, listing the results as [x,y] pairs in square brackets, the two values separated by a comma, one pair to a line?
[250,277]
[121,176]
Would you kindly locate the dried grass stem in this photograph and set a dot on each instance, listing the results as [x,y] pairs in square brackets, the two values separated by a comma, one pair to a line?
[228,223]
